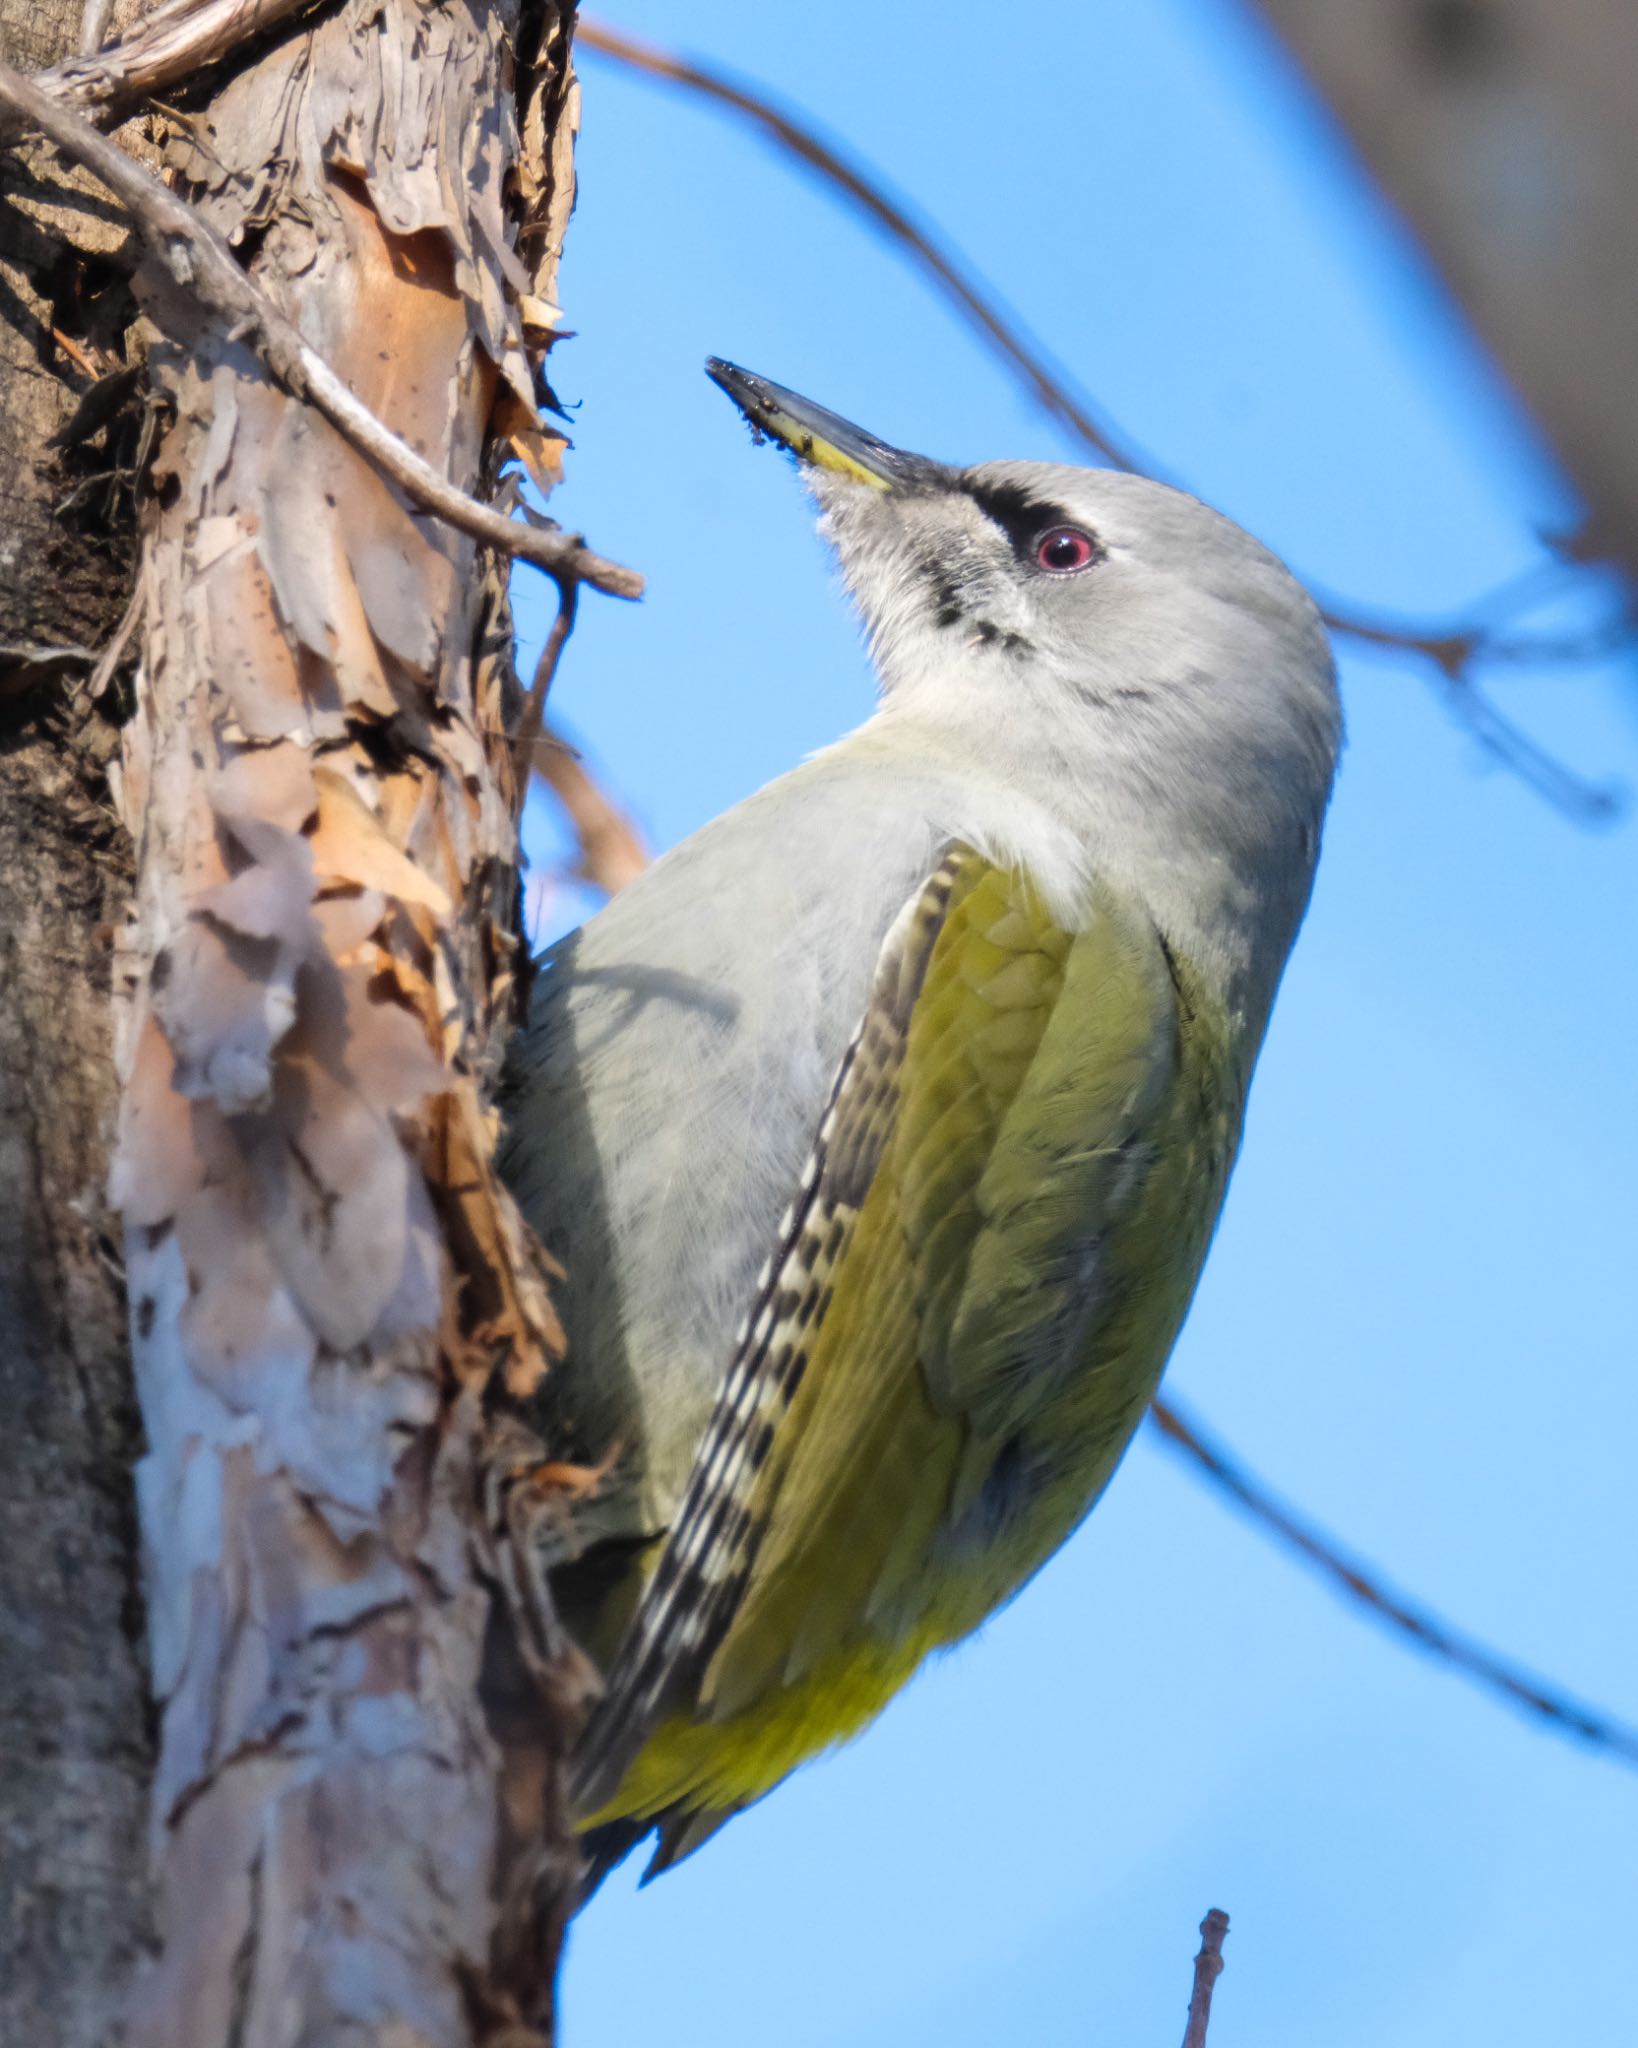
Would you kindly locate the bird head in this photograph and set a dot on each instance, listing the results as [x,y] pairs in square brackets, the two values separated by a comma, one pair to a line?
[1143,643]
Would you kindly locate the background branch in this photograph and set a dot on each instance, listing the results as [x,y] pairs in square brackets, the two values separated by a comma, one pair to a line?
[1002,331]
[1498,1675]
[612,853]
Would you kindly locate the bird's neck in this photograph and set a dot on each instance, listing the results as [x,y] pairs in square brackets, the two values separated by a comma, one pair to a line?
[1228,893]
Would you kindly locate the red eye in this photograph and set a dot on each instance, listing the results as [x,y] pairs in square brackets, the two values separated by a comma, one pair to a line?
[1065,549]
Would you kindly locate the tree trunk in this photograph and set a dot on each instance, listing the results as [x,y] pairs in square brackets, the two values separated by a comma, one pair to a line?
[77,1737]
[355,1824]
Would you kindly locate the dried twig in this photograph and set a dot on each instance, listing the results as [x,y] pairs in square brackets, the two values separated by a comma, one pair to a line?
[202,263]
[172,43]
[1452,651]
[534,708]
[107,663]
[1348,1575]
[1208,1967]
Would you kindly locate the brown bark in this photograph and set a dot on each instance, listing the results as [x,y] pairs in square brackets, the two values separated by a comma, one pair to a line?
[356,1825]
[75,1736]
[357,1819]
[74,1725]
[1504,130]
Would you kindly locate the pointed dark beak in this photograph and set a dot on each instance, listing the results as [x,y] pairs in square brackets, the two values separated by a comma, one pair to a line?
[820,438]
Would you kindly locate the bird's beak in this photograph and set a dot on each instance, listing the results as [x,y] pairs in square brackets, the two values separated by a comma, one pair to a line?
[820,438]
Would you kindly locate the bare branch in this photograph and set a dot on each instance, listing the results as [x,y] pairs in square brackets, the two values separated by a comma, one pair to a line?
[1451,651]
[1005,334]
[171,44]
[201,262]
[1208,1967]
[1495,1673]
[1451,655]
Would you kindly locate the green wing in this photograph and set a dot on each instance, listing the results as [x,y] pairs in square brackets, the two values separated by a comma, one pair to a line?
[968,1307]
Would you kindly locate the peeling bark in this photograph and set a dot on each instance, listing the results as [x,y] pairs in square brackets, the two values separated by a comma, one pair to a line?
[357,1831]
[356,1819]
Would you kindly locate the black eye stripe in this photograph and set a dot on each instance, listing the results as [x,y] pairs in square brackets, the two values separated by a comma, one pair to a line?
[1019,516]
[1025,520]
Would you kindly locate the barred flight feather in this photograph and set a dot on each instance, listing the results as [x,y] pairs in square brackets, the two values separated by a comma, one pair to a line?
[691,1597]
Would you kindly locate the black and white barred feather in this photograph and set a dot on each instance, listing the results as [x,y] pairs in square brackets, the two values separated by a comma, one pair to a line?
[689,1603]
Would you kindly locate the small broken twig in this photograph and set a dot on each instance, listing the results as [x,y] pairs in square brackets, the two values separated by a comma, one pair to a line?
[114,653]
[534,708]
[201,261]
[172,44]
[1208,1967]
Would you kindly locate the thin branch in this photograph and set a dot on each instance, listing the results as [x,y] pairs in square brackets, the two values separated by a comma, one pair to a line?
[171,44]
[534,709]
[113,654]
[1452,651]
[1452,655]
[1348,1575]
[978,304]
[1208,1967]
[202,263]
[1588,802]
[25,665]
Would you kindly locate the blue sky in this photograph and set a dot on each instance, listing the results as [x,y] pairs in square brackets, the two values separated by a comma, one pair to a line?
[1419,1319]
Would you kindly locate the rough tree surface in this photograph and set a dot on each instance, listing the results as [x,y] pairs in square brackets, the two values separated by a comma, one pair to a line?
[75,1731]
[355,1822]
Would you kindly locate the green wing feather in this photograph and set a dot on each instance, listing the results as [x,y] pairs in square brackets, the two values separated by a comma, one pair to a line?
[968,1308]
